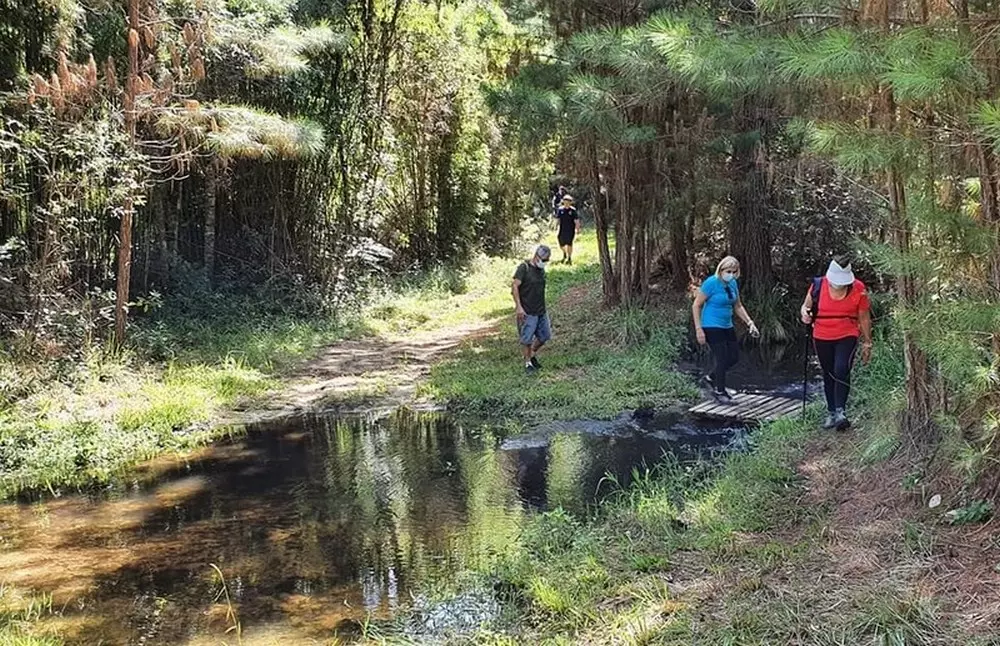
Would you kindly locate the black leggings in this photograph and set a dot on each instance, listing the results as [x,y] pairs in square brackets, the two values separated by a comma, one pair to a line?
[725,350]
[836,359]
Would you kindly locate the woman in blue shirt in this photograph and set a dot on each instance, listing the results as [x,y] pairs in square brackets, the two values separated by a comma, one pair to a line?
[717,299]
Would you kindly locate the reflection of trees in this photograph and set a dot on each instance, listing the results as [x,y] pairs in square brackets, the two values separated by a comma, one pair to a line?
[402,500]
[493,510]
[569,461]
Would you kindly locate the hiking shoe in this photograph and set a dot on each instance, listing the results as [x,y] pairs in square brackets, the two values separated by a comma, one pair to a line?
[722,397]
[534,362]
[840,420]
[830,421]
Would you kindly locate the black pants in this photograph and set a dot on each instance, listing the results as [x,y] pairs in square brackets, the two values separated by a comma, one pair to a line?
[836,359]
[725,351]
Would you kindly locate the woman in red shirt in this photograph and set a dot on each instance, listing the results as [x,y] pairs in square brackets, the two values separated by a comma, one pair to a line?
[840,315]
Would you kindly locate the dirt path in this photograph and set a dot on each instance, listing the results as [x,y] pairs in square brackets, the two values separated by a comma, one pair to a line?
[366,374]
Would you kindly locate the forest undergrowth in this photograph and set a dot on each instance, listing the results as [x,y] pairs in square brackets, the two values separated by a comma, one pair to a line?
[76,421]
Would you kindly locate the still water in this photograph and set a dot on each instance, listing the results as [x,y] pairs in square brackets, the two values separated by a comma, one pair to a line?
[315,523]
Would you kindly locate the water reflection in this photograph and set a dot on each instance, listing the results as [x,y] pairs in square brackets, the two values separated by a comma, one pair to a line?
[315,522]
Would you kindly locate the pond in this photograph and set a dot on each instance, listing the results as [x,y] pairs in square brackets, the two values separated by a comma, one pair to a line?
[314,523]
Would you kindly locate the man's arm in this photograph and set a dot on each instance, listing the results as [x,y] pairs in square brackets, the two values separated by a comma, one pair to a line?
[577,220]
[515,291]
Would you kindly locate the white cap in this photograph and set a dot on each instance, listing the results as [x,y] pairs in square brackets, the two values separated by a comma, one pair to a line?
[839,276]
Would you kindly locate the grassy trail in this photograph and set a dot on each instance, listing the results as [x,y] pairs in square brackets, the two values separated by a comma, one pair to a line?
[88,419]
[811,538]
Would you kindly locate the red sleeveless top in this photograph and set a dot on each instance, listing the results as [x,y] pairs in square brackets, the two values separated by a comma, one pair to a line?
[839,319]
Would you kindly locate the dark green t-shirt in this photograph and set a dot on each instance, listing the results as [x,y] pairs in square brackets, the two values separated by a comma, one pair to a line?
[532,288]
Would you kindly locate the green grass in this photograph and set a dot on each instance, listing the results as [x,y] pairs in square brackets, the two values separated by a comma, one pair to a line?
[703,555]
[709,554]
[20,615]
[75,421]
[598,364]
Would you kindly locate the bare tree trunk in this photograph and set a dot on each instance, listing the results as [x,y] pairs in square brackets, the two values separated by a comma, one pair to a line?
[125,230]
[990,203]
[916,422]
[211,200]
[158,209]
[173,216]
[678,248]
[748,228]
[610,289]
[624,239]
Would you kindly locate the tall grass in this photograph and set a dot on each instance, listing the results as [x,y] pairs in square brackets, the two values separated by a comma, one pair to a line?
[20,617]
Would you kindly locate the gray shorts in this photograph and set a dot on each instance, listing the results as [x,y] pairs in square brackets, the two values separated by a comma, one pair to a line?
[535,327]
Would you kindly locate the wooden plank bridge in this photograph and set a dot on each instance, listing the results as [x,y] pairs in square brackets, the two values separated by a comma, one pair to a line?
[749,408]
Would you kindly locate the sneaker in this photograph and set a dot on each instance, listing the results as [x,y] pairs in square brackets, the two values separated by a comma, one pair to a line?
[722,397]
[840,420]
[830,421]
[707,380]
[530,369]
[534,362]
[569,261]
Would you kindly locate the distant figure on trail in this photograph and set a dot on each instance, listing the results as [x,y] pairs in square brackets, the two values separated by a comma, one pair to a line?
[569,226]
[837,307]
[716,301]
[557,199]
[528,290]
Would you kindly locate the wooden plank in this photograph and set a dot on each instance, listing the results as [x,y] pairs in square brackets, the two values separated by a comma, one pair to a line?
[786,410]
[749,405]
[713,408]
[775,406]
[748,408]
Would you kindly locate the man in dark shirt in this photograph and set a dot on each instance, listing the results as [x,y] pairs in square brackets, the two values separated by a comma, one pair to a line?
[569,226]
[529,306]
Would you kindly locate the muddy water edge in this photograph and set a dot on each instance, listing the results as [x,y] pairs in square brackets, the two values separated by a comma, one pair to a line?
[315,523]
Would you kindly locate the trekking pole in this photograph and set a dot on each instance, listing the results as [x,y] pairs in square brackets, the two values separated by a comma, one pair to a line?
[805,370]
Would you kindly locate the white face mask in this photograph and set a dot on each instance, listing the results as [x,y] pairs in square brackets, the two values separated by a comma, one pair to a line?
[541,264]
[728,276]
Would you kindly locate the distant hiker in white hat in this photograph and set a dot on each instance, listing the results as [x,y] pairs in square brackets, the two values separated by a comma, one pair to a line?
[839,311]
[569,226]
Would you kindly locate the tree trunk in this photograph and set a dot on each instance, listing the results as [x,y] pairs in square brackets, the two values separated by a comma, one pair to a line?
[125,230]
[624,238]
[748,229]
[158,209]
[678,248]
[211,186]
[608,285]
[990,203]
[916,421]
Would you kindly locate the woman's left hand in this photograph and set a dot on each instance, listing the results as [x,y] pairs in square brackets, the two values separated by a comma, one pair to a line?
[754,332]
[866,353]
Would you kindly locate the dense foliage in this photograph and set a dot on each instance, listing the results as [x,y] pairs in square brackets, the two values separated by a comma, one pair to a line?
[299,147]
[302,149]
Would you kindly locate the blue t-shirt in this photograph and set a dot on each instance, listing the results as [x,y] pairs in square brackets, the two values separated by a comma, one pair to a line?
[718,308]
